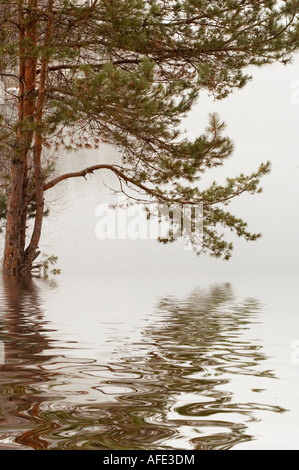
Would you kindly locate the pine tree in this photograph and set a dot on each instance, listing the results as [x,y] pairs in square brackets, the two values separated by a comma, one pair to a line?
[126,72]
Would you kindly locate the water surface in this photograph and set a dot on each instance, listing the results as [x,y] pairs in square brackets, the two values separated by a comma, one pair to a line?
[181,372]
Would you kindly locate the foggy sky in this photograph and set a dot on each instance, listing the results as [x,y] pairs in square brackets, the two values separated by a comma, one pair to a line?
[263,121]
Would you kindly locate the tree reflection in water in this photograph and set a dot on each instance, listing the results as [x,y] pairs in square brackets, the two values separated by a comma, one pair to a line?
[22,325]
[170,390]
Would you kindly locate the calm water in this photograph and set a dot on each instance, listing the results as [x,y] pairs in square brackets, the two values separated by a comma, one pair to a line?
[187,371]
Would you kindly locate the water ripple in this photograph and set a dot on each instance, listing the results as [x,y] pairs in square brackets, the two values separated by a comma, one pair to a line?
[173,388]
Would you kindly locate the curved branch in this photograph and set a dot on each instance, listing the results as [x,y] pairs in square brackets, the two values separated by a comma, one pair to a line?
[90,170]
[121,175]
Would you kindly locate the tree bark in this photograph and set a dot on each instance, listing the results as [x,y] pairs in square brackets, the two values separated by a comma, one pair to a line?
[13,263]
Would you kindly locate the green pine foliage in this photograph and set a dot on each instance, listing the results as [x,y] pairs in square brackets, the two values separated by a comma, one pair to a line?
[126,72]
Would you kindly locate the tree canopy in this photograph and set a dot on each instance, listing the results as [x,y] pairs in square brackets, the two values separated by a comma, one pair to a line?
[79,73]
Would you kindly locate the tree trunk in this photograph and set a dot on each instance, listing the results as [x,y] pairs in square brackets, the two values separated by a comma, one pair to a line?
[17,260]
[14,262]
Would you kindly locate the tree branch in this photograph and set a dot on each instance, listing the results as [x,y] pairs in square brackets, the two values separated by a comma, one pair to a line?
[90,170]
[118,171]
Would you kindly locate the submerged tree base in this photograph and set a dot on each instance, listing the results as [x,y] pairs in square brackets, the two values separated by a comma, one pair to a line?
[24,269]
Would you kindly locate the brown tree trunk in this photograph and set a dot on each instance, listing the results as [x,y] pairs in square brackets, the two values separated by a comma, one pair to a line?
[32,252]
[14,262]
